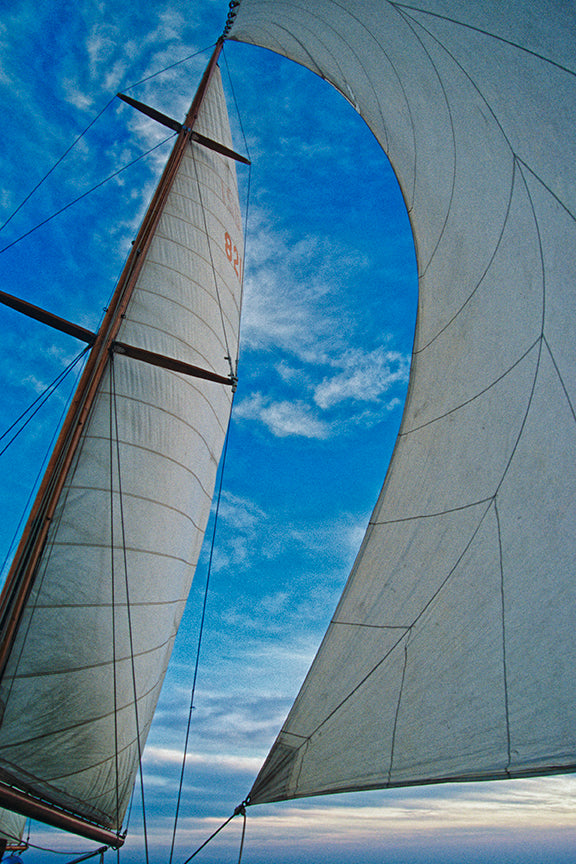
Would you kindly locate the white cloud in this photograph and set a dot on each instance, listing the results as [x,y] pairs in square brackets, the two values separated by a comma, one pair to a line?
[283,418]
[365,377]
[160,756]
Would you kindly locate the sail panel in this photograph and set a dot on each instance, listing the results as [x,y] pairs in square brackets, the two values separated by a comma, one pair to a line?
[98,628]
[449,656]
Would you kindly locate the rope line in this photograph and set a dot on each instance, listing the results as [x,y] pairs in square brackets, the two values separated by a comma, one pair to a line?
[128,610]
[247,203]
[111,409]
[199,643]
[239,811]
[243,812]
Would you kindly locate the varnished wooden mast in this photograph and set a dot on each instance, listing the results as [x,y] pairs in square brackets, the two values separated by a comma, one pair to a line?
[24,566]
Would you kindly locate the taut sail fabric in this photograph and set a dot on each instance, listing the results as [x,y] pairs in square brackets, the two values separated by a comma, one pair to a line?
[12,827]
[451,655]
[116,570]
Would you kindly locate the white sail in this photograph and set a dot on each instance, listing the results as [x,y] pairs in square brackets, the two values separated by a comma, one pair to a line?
[451,655]
[12,827]
[116,568]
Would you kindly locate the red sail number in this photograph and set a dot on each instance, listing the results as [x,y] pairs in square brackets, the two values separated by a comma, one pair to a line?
[232,254]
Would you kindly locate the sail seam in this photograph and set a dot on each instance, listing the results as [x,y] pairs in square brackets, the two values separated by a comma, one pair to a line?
[560,378]
[187,381]
[422,611]
[477,395]
[369,34]
[372,626]
[151,328]
[397,712]
[483,32]
[134,497]
[137,549]
[213,190]
[503,636]
[134,446]
[495,249]
[442,231]
[172,301]
[448,510]
[84,668]
[15,771]
[545,186]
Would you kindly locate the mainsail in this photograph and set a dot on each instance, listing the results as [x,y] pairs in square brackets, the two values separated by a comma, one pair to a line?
[86,664]
[451,655]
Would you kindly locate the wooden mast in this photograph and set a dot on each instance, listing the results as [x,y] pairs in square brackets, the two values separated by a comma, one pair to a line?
[24,566]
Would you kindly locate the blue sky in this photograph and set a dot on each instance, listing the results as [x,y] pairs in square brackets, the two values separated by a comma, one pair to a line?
[327,331]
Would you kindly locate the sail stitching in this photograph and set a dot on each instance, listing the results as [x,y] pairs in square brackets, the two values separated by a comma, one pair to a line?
[493,499]
[369,34]
[433,515]
[174,302]
[187,381]
[177,338]
[326,24]
[139,447]
[101,716]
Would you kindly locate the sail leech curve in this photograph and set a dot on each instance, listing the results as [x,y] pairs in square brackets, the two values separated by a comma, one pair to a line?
[470,545]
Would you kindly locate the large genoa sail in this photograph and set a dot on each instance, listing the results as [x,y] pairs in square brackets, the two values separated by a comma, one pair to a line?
[451,654]
[87,662]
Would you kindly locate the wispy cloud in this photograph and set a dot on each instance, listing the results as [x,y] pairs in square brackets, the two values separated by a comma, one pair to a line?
[283,418]
[365,377]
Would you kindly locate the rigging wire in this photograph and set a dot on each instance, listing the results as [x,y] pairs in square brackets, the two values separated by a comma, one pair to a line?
[199,643]
[55,165]
[112,434]
[171,66]
[40,400]
[85,194]
[247,203]
[50,388]
[240,810]
[128,606]
[87,128]
[234,372]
